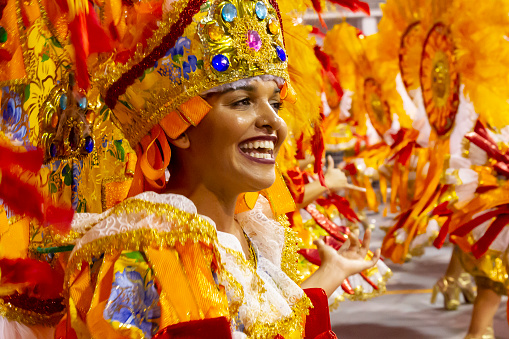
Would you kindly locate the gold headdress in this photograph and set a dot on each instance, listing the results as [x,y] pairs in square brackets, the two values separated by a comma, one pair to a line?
[198,45]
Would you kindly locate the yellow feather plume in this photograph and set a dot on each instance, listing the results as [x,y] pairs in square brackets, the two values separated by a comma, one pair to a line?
[480,31]
[357,59]
[305,75]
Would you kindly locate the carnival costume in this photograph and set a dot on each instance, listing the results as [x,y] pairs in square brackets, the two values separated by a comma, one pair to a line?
[151,266]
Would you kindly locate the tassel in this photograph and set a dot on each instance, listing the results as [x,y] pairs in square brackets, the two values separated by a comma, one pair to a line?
[466,228]
[341,204]
[482,245]
[340,233]
[347,287]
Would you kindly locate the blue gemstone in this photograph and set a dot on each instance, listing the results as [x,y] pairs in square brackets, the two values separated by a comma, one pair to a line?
[229,12]
[89,144]
[281,53]
[261,10]
[63,101]
[53,150]
[220,63]
[82,103]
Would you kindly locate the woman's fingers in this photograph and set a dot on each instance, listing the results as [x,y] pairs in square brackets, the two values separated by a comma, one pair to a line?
[355,241]
[365,242]
[376,256]
[330,162]
[345,247]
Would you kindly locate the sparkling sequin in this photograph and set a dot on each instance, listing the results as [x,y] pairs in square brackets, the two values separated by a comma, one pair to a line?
[89,144]
[63,101]
[273,26]
[3,35]
[220,63]
[261,10]
[229,12]
[215,31]
[281,53]
[254,41]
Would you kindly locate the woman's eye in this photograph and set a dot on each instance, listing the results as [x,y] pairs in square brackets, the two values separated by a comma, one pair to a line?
[277,105]
[243,102]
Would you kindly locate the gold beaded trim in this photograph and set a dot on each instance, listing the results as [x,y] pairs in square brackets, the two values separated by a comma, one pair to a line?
[290,257]
[196,229]
[27,317]
[286,325]
[291,324]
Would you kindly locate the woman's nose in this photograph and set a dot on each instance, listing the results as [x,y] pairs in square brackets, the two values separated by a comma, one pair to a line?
[268,117]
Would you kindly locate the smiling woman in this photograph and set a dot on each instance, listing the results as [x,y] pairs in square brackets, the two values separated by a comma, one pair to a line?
[201,255]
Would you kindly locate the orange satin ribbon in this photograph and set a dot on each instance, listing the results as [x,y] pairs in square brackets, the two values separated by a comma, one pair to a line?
[187,114]
[152,162]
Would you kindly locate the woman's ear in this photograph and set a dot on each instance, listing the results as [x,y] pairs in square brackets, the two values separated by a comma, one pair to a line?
[181,142]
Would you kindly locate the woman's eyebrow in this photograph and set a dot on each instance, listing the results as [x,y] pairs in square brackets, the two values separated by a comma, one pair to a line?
[247,88]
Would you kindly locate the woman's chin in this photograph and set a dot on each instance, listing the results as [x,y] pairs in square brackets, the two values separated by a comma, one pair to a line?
[256,184]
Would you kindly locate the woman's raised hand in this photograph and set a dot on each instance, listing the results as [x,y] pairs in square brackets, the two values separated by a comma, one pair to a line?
[338,265]
[334,178]
[349,259]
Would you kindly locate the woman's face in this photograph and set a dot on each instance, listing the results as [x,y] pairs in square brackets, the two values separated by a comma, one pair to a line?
[234,147]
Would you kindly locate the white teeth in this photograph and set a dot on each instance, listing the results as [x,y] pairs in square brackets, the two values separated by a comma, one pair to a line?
[252,154]
[262,144]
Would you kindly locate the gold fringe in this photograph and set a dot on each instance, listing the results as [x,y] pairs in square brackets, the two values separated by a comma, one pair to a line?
[27,317]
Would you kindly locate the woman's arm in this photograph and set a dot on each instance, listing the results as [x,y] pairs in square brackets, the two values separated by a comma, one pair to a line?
[334,179]
[338,265]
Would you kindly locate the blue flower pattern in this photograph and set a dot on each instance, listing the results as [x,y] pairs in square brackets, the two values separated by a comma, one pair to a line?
[133,302]
[177,63]
[12,112]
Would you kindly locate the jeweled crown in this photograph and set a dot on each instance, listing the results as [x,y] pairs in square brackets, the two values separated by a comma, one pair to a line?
[200,45]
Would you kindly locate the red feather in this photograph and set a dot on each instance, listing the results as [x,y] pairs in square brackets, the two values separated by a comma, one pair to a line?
[24,198]
[330,71]
[318,148]
[87,37]
[30,161]
[353,5]
[45,282]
